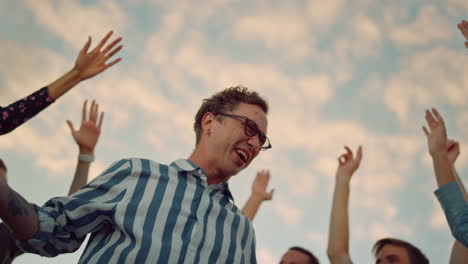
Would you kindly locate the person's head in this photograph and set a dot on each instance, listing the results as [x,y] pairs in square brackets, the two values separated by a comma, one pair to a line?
[231,128]
[391,250]
[3,171]
[298,255]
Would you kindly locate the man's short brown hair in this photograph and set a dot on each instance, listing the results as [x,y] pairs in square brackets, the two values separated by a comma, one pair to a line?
[312,258]
[226,101]
[414,253]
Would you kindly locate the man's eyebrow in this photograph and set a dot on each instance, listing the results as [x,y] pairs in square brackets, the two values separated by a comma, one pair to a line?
[392,257]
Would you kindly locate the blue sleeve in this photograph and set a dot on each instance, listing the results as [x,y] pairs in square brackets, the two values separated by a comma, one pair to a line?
[456,210]
[64,222]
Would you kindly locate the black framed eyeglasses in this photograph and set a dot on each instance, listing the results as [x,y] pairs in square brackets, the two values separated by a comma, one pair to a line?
[251,130]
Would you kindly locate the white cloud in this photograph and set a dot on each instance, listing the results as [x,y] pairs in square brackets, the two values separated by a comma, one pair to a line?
[25,73]
[303,184]
[437,221]
[456,6]
[288,214]
[283,29]
[74,22]
[319,238]
[265,256]
[419,33]
[325,13]
[363,38]
[317,89]
[427,78]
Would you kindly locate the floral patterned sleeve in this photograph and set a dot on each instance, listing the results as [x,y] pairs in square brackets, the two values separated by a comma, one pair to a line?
[21,111]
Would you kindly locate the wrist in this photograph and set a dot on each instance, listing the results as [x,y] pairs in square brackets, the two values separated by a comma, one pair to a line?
[344,178]
[88,158]
[439,155]
[86,151]
[257,197]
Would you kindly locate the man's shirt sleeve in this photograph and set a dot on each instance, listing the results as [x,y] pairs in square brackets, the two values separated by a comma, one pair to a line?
[64,222]
[456,210]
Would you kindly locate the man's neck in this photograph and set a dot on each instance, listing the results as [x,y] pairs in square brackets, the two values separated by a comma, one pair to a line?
[213,174]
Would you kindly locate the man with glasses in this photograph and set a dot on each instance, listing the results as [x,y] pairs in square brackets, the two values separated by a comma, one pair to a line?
[140,211]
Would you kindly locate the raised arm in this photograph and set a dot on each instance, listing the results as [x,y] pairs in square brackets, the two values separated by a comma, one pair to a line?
[459,253]
[64,222]
[86,138]
[338,235]
[437,143]
[259,194]
[444,153]
[87,65]
[463,26]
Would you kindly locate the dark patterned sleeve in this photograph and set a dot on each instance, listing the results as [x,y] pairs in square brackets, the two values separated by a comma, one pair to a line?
[21,111]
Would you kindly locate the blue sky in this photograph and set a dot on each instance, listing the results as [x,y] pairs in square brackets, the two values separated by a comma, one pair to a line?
[335,73]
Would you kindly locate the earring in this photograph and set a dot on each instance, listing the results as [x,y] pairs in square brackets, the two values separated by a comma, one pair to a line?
[208,132]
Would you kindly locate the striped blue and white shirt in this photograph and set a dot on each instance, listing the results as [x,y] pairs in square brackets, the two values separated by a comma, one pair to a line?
[140,211]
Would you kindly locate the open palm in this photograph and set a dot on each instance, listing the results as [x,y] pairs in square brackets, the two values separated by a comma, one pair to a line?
[259,186]
[89,64]
[88,134]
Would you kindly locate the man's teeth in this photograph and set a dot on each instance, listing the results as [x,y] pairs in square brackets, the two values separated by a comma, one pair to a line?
[242,154]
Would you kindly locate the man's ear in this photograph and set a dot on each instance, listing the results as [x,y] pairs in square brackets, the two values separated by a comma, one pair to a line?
[207,121]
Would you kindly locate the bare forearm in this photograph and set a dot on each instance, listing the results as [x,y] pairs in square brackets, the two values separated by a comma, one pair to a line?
[251,207]
[81,176]
[442,169]
[459,253]
[17,213]
[338,236]
[64,84]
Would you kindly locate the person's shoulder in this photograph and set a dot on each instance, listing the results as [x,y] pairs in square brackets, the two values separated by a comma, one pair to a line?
[150,162]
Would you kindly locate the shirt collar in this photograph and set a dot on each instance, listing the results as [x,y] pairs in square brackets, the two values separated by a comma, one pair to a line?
[188,166]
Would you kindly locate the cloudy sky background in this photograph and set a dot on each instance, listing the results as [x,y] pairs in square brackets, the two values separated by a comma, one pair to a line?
[335,73]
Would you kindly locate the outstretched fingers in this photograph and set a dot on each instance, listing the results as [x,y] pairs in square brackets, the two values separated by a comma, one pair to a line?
[85,48]
[83,111]
[101,118]
[110,46]
[359,154]
[92,112]
[70,125]
[426,131]
[104,40]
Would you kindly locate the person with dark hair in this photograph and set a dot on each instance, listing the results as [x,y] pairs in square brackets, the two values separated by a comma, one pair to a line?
[387,250]
[87,65]
[451,192]
[141,211]
[86,139]
[338,235]
[298,255]
[392,250]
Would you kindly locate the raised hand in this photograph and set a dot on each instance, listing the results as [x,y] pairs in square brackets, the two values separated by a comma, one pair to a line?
[463,26]
[90,64]
[88,134]
[436,134]
[259,186]
[348,164]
